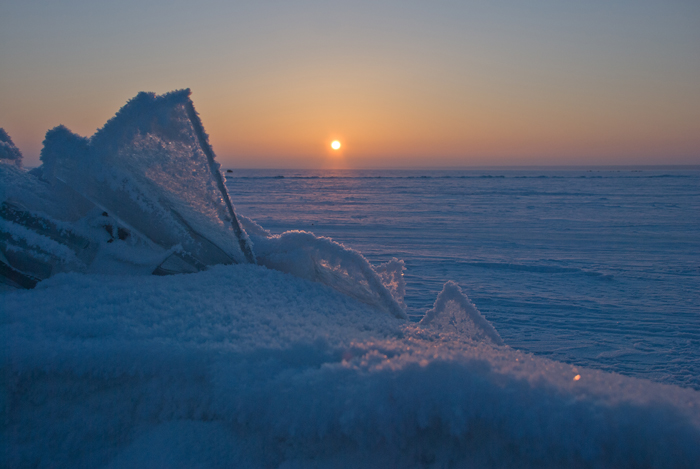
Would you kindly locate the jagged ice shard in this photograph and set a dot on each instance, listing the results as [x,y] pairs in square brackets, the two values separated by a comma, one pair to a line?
[299,361]
[148,175]
[151,168]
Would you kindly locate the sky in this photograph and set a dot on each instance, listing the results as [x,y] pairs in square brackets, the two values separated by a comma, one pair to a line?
[401,84]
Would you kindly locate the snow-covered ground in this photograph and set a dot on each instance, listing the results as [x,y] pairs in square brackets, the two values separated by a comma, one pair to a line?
[244,366]
[304,358]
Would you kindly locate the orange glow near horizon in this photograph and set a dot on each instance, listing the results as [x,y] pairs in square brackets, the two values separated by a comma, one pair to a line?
[455,86]
[393,123]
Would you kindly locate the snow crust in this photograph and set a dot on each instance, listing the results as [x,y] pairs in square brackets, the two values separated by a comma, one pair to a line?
[244,366]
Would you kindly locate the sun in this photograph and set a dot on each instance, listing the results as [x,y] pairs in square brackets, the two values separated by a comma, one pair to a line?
[335,144]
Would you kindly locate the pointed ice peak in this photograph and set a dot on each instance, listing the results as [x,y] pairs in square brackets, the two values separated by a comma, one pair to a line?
[8,151]
[144,114]
[454,312]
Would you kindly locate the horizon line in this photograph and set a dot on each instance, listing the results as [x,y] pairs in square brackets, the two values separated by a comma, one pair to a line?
[480,167]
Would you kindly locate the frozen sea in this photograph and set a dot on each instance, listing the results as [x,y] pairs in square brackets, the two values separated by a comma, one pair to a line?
[307,359]
[591,266]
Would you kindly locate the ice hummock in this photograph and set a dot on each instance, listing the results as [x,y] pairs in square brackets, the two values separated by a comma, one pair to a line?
[148,179]
[454,313]
[145,195]
[151,167]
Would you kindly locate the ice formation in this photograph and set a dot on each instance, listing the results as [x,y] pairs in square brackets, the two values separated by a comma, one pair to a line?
[149,181]
[293,362]
[151,168]
[454,313]
[322,260]
[8,150]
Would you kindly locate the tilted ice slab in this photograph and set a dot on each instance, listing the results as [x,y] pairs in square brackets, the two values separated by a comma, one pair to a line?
[147,180]
[39,236]
[243,366]
[151,167]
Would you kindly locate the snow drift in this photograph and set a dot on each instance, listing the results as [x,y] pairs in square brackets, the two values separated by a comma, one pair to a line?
[243,366]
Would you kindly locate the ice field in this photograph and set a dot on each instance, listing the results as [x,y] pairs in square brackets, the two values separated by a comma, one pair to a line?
[594,266]
[157,312]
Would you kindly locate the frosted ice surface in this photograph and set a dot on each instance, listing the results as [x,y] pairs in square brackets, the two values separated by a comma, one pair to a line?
[454,313]
[151,167]
[322,260]
[594,266]
[148,180]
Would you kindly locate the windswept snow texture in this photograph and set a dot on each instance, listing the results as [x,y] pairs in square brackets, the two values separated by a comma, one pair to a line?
[596,267]
[242,366]
[8,150]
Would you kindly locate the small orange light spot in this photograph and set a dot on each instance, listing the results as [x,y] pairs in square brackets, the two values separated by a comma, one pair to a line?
[577,377]
[335,145]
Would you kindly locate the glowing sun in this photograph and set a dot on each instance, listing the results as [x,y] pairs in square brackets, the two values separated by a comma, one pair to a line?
[335,144]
